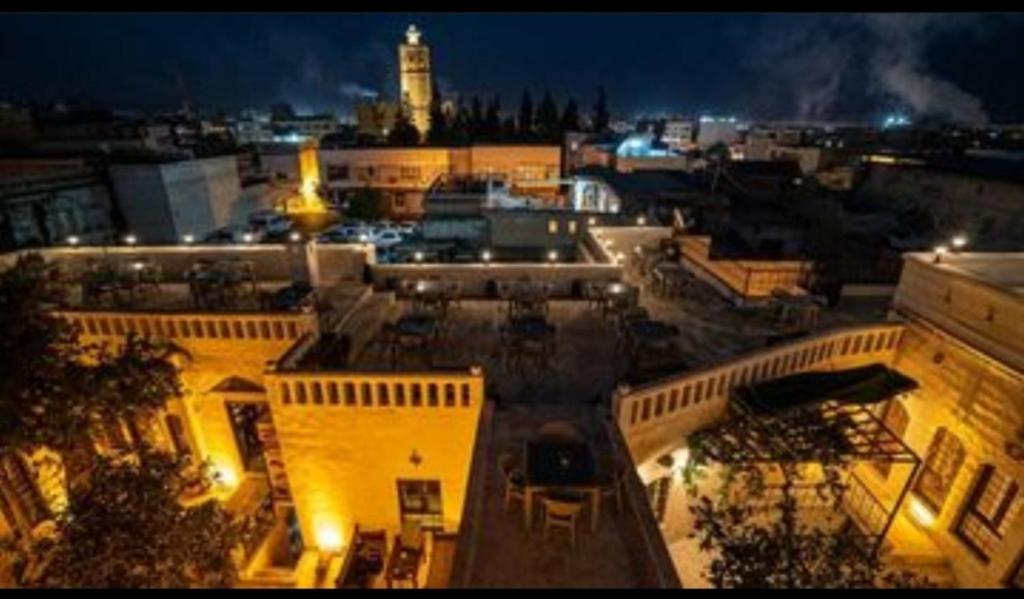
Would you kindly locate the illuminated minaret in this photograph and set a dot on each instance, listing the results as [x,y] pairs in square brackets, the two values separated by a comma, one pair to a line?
[414,79]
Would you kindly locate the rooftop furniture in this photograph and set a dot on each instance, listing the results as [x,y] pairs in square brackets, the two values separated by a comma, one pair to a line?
[559,466]
[512,476]
[366,560]
[561,512]
[403,564]
[670,278]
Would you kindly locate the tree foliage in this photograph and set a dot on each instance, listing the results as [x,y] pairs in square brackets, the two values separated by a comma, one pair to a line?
[548,125]
[404,133]
[127,528]
[601,118]
[753,527]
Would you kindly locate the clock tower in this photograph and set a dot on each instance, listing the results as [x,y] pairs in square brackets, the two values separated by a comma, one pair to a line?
[414,79]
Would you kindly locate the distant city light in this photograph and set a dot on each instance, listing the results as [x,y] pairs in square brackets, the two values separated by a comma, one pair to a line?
[895,120]
[72,240]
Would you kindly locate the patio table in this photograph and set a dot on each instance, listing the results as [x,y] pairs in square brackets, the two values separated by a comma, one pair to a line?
[560,465]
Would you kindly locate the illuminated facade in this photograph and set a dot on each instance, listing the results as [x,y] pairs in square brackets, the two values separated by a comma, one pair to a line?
[955,329]
[415,83]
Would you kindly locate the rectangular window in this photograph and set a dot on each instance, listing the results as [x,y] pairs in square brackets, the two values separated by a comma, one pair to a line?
[419,503]
[572,227]
[942,464]
[553,227]
[178,437]
[657,492]
[991,507]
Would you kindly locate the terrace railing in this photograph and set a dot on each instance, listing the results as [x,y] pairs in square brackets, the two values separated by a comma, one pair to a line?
[745,279]
[659,414]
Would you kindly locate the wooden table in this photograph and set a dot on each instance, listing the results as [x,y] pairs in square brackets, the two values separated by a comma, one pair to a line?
[560,466]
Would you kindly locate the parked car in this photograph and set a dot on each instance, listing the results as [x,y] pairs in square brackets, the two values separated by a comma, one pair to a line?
[270,221]
[387,238]
[235,235]
[408,227]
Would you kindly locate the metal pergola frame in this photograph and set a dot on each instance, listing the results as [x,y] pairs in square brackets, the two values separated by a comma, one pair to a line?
[828,431]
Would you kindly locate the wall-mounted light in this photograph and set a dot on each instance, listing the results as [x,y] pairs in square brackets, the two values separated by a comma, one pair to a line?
[552,256]
[418,256]
[921,513]
[641,221]
[72,240]
[959,242]
[188,238]
[131,239]
[247,237]
[485,255]
[328,538]
[295,236]
[940,250]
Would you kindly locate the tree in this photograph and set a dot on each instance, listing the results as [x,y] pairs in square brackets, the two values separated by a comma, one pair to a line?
[492,120]
[547,119]
[751,524]
[525,122]
[52,387]
[476,121]
[127,528]
[367,203]
[571,117]
[404,133]
[438,134]
[462,126]
[601,118]
[508,129]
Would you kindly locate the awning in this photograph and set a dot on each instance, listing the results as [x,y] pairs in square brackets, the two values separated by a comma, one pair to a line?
[862,386]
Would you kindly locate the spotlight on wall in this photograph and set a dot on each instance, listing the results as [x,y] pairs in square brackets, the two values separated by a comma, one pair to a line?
[72,240]
[921,513]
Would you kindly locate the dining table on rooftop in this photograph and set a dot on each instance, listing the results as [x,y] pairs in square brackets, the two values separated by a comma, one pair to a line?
[557,466]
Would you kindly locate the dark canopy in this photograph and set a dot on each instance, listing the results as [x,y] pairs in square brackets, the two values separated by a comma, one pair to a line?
[864,386]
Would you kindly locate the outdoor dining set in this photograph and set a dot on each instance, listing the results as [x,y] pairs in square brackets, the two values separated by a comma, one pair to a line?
[221,284]
[560,472]
[526,336]
[119,282]
[419,329]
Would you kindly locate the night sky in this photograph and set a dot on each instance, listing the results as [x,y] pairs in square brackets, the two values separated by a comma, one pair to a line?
[960,67]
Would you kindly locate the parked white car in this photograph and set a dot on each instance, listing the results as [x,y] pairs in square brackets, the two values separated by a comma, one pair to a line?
[270,221]
[387,238]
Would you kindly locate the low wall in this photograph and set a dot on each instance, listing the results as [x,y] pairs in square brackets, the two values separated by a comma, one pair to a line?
[742,281]
[657,416]
[475,278]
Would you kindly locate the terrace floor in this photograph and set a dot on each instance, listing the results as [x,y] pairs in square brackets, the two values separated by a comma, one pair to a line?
[586,365]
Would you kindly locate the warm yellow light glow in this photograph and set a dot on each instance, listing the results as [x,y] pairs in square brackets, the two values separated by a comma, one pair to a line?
[641,221]
[328,538]
[921,513]
[225,476]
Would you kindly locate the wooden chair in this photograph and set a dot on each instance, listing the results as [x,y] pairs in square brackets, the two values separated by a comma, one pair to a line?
[513,478]
[562,513]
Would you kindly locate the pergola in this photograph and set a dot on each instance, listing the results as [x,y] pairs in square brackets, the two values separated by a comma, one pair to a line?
[821,417]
